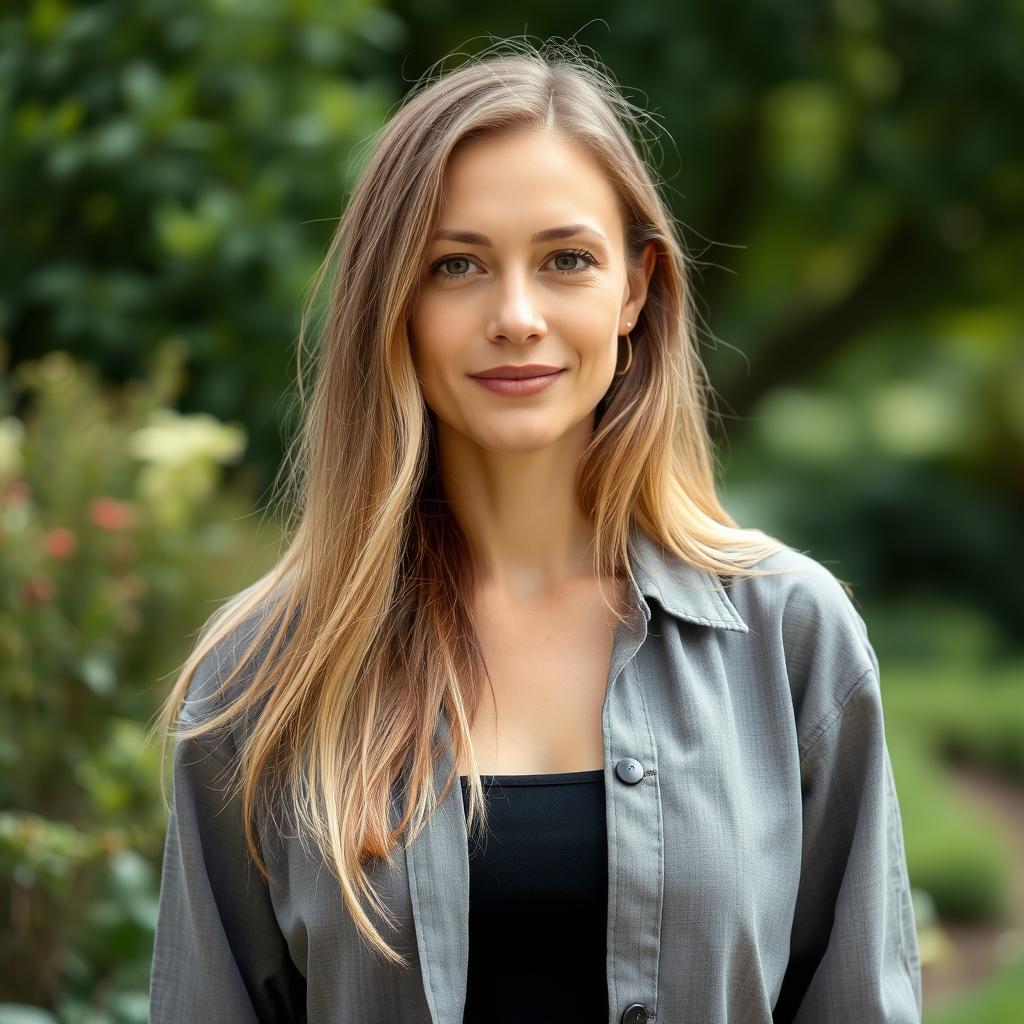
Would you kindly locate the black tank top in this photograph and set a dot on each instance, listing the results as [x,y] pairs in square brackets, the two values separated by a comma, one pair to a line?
[538,900]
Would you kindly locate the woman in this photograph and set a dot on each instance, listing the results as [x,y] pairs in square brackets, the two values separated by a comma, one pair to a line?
[504,478]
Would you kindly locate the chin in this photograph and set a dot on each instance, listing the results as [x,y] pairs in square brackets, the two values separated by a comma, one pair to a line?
[518,441]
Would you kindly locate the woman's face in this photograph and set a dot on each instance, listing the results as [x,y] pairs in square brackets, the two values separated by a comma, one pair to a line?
[509,296]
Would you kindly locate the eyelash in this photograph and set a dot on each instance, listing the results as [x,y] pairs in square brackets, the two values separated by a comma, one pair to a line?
[584,254]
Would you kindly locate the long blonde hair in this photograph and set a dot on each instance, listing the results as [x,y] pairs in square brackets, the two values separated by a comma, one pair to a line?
[374,575]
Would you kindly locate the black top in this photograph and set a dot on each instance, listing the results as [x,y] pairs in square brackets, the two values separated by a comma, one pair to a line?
[538,899]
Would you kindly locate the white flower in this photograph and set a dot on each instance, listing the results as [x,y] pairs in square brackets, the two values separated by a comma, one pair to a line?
[173,439]
[181,454]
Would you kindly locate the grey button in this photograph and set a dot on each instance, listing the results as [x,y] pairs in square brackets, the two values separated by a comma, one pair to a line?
[630,770]
[637,1013]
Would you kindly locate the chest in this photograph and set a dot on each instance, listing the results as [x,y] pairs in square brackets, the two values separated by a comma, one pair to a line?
[703,853]
[547,668]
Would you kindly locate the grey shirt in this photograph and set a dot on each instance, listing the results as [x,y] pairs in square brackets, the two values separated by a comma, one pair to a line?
[756,869]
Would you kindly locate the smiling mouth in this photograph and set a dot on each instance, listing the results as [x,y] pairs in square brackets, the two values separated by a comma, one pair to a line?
[517,373]
[532,376]
[519,386]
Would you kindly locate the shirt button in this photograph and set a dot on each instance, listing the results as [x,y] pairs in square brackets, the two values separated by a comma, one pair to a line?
[629,770]
[637,1013]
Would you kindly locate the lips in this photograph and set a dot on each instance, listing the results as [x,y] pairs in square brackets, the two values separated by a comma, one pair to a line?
[509,372]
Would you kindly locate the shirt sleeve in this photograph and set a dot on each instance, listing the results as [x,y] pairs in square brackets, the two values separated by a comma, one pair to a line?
[218,954]
[854,955]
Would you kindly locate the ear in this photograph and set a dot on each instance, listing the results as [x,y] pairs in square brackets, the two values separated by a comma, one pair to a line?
[637,281]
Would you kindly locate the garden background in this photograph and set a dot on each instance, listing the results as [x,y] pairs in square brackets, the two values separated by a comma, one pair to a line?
[849,176]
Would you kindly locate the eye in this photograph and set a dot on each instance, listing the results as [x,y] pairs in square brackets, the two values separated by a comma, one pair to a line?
[437,265]
[588,258]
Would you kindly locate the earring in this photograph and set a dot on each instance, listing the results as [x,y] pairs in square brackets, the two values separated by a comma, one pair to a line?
[629,360]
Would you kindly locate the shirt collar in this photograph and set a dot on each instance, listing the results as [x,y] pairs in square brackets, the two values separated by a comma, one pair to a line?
[686,591]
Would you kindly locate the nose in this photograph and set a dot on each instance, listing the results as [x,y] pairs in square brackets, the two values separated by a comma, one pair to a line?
[517,318]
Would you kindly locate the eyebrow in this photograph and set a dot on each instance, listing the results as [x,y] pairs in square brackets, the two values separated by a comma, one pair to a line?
[547,235]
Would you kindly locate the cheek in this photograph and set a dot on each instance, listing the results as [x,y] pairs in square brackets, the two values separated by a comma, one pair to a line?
[434,349]
[594,341]
[588,325]
[593,333]
[428,338]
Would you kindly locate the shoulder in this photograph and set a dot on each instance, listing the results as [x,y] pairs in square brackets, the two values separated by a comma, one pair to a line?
[801,597]
[804,619]
[224,674]
[206,691]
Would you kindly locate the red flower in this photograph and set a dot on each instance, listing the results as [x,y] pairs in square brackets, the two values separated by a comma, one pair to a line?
[111,514]
[61,543]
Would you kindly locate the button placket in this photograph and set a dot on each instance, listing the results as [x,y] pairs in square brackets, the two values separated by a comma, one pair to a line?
[636,846]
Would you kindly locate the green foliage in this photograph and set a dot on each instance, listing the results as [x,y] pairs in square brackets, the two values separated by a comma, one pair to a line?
[954,853]
[112,528]
[958,710]
[176,168]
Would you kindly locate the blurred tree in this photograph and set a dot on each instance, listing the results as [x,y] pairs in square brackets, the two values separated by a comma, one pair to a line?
[173,170]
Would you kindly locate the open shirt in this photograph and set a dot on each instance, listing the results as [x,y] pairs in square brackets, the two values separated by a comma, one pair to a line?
[756,868]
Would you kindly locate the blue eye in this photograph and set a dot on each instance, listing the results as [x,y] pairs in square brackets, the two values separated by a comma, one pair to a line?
[588,258]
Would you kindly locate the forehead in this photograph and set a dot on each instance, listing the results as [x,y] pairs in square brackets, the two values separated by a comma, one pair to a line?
[524,180]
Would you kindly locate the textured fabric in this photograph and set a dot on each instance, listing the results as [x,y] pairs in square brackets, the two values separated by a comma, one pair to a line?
[538,894]
[756,870]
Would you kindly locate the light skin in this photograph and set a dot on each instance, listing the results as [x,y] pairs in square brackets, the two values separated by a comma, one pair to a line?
[508,463]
